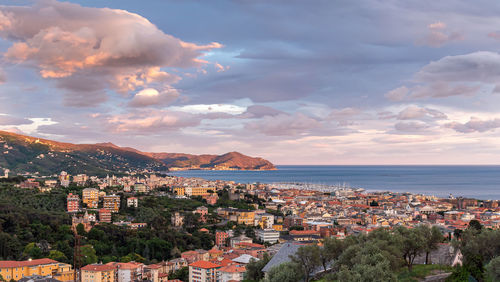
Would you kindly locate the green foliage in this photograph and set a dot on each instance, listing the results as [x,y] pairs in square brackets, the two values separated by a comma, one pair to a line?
[88,254]
[285,272]
[254,268]
[181,274]
[420,271]
[412,243]
[57,255]
[493,269]
[32,251]
[307,258]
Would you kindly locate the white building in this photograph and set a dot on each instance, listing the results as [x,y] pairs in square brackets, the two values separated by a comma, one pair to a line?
[132,202]
[268,235]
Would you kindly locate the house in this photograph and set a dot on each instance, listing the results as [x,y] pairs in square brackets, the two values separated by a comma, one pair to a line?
[221,238]
[90,197]
[73,203]
[112,203]
[127,272]
[232,272]
[132,202]
[104,215]
[282,256]
[203,271]
[17,270]
[240,239]
[97,273]
[177,219]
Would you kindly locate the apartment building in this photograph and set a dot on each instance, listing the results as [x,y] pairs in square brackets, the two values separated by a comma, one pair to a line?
[18,269]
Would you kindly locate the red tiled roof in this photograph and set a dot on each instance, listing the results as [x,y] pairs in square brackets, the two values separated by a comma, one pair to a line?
[13,263]
[204,264]
[97,267]
[233,268]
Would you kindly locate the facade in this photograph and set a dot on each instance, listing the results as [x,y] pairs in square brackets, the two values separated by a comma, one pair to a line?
[240,239]
[72,203]
[98,273]
[202,211]
[90,197]
[245,217]
[112,203]
[203,271]
[104,215]
[233,272]
[132,202]
[221,238]
[180,191]
[198,191]
[268,235]
[64,179]
[140,188]
[18,269]
[177,219]
[80,179]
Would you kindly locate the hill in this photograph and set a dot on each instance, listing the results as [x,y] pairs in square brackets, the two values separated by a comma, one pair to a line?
[21,153]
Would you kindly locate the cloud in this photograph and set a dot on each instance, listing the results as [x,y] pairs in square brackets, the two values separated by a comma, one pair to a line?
[495,35]
[151,97]
[437,35]
[284,124]
[258,111]
[461,75]
[411,127]
[12,120]
[3,78]
[121,49]
[147,121]
[416,112]
[475,125]
[397,94]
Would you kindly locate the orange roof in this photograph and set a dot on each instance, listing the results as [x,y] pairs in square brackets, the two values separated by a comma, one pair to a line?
[304,232]
[13,263]
[97,267]
[233,268]
[204,264]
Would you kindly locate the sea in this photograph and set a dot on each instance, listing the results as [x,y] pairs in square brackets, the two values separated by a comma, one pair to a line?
[480,182]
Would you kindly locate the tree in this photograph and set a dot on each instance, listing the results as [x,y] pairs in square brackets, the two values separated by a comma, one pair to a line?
[432,237]
[285,272]
[332,249]
[181,274]
[254,268]
[308,259]
[411,243]
[493,269]
[32,251]
[475,224]
[80,229]
[88,254]
[57,255]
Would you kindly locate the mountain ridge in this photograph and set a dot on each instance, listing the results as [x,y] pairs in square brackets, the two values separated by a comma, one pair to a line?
[27,154]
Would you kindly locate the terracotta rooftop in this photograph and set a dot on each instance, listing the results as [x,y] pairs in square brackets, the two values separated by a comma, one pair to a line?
[204,264]
[98,267]
[13,263]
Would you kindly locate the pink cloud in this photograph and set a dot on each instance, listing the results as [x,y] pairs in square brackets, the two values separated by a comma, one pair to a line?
[437,35]
[125,50]
[152,97]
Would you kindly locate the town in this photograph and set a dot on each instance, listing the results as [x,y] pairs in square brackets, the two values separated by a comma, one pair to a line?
[240,224]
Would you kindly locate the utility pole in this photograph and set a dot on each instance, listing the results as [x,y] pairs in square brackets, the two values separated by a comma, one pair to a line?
[77,258]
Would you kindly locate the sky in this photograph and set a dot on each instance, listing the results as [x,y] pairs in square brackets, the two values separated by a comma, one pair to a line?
[296,82]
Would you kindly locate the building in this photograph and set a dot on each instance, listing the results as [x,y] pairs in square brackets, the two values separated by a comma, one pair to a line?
[240,239]
[16,270]
[132,202]
[202,211]
[72,203]
[90,197]
[140,188]
[29,184]
[203,271]
[5,173]
[245,217]
[232,272]
[198,191]
[177,219]
[98,273]
[111,203]
[221,238]
[268,235]
[104,215]
[64,179]
[180,191]
[80,179]
[128,272]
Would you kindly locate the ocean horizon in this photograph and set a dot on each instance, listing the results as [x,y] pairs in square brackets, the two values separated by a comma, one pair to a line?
[473,181]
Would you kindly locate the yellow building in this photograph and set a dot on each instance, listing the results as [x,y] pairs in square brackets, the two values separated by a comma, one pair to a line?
[180,191]
[112,203]
[19,269]
[90,196]
[98,273]
[278,227]
[245,217]
[199,191]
